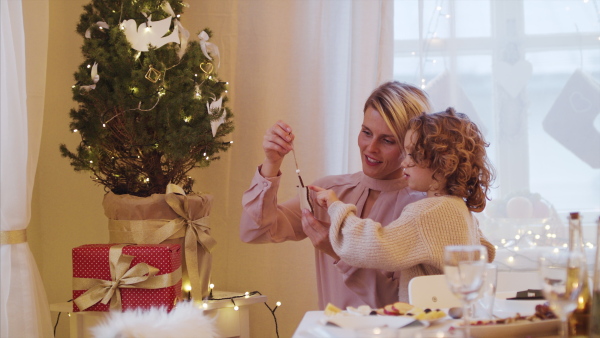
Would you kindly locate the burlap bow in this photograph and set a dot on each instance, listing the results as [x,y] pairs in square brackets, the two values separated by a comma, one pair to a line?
[195,232]
[142,276]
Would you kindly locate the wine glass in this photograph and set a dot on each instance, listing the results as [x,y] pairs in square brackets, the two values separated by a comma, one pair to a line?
[464,267]
[562,277]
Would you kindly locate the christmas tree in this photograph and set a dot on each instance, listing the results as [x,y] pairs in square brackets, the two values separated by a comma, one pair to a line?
[150,104]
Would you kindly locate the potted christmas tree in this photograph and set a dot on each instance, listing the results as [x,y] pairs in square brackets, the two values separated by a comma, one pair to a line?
[151,107]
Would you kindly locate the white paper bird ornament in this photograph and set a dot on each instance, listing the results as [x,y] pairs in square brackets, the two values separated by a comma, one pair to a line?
[208,48]
[100,24]
[152,33]
[95,78]
[214,109]
[184,34]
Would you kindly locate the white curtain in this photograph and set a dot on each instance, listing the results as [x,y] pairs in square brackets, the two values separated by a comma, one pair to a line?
[528,73]
[313,63]
[24,308]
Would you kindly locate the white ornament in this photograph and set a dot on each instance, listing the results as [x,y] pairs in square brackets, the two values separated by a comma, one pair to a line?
[209,48]
[214,109]
[95,78]
[101,24]
[151,34]
[513,78]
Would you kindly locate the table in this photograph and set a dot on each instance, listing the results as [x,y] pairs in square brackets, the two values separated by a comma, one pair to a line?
[312,324]
[229,322]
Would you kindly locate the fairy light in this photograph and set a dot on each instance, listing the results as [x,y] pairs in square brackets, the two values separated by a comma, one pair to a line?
[236,307]
[511,259]
[75,130]
[517,237]
[91,161]
[438,8]
[103,125]
[89,66]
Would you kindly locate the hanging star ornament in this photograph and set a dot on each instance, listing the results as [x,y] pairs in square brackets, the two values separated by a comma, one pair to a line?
[215,109]
[152,33]
[95,78]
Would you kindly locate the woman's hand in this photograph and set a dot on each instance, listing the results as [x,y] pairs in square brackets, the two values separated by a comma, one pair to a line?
[318,233]
[324,197]
[277,143]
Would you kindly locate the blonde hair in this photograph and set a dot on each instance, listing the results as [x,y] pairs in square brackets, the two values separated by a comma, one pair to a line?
[452,146]
[398,103]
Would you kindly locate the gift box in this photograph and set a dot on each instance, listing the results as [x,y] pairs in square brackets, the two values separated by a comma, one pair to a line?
[124,276]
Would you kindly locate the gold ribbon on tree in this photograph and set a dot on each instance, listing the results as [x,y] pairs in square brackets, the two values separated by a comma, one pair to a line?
[194,231]
[141,276]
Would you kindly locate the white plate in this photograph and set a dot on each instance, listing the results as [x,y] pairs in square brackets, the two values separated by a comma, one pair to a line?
[504,307]
[547,327]
[366,322]
[356,326]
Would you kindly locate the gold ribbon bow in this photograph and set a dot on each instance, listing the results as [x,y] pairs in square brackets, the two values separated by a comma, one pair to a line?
[157,231]
[141,276]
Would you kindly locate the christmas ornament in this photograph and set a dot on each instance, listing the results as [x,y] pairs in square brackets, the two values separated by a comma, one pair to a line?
[209,48]
[206,67]
[152,75]
[445,92]
[570,121]
[95,78]
[101,24]
[215,109]
[152,33]
[513,77]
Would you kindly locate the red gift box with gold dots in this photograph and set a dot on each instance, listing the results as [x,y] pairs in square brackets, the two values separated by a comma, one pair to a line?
[118,277]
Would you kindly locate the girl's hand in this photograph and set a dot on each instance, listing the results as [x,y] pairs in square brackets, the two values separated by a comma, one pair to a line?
[324,197]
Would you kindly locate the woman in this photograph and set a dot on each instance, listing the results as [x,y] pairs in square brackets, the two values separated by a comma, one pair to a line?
[446,159]
[378,191]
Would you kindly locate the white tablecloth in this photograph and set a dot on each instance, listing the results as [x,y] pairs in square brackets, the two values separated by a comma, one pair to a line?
[313,324]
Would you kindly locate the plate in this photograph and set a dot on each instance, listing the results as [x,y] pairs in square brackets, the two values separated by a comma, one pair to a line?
[367,322]
[504,307]
[546,327]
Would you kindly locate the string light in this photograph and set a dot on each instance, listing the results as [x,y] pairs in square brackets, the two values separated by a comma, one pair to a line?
[75,130]
[245,295]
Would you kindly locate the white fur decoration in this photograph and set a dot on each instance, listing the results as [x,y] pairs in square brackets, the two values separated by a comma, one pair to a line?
[185,320]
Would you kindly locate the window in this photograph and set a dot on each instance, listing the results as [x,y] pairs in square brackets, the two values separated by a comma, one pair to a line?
[528,73]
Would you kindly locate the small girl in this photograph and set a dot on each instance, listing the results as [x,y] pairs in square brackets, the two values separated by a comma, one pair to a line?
[445,157]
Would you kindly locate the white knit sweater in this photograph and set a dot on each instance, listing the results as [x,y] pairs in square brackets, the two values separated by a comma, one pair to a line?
[413,244]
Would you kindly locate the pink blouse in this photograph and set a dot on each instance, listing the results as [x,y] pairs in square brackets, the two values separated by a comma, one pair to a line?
[265,221]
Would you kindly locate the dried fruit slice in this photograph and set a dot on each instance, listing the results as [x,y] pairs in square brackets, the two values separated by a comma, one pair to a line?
[331,310]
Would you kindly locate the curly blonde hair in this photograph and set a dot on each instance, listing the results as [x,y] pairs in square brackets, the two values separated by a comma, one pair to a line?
[451,144]
[397,103]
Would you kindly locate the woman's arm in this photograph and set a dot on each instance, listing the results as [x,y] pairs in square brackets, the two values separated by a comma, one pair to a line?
[263,219]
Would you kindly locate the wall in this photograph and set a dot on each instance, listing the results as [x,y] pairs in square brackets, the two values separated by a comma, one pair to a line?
[67,209]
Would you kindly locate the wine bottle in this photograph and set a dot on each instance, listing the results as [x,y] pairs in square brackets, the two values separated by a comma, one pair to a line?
[595,312]
[579,319]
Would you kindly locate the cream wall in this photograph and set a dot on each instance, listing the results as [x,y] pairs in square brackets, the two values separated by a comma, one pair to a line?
[67,211]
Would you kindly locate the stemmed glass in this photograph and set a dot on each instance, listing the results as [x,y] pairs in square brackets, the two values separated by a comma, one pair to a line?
[561,276]
[464,267]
